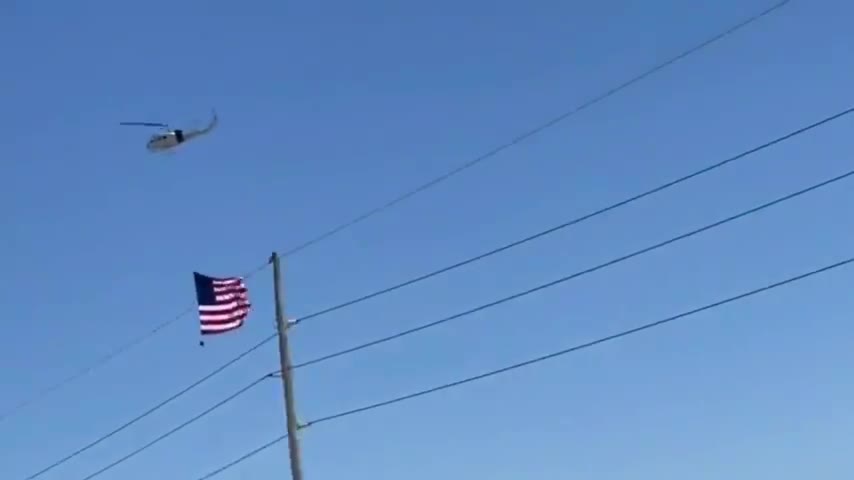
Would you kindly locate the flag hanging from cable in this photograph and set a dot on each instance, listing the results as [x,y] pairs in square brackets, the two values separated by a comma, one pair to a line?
[223,303]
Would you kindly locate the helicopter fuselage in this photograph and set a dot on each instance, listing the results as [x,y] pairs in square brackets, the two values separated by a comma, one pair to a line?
[168,139]
[165,141]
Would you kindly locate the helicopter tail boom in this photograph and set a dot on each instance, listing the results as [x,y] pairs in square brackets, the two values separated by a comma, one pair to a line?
[188,134]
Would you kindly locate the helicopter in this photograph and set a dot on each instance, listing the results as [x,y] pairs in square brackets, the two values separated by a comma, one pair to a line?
[171,138]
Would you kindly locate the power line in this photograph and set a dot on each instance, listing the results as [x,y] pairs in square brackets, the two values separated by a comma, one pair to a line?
[400,199]
[578,220]
[539,129]
[104,359]
[543,358]
[180,427]
[92,367]
[577,347]
[447,269]
[575,221]
[143,415]
[242,459]
[581,273]
[583,218]
[516,296]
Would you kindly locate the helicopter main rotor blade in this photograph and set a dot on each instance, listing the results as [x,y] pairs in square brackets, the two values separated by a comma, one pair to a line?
[143,124]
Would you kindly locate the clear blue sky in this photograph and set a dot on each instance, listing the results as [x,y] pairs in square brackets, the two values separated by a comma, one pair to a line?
[329,110]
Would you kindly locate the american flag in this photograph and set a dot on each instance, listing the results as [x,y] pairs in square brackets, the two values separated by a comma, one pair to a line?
[223,303]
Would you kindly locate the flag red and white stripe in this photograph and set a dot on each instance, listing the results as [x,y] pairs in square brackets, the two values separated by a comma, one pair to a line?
[223,303]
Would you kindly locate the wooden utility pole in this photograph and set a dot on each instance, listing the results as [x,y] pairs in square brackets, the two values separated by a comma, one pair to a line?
[287,371]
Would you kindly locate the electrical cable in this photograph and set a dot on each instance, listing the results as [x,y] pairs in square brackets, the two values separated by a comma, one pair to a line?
[539,129]
[656,246]
[614,90]
[581,273]
[105,359]
[575,221]
[90,368]
[141,416]
[180,427]
[543,358]
[242,459]
[471,260]
[583,218]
